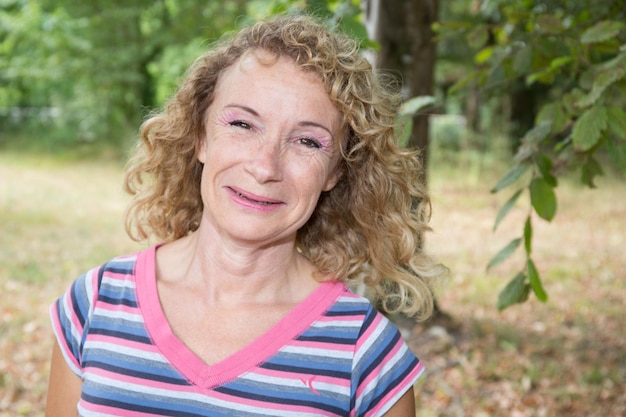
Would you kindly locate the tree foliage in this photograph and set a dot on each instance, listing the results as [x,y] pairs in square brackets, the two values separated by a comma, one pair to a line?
[100,66]
[91,71]
[576,52]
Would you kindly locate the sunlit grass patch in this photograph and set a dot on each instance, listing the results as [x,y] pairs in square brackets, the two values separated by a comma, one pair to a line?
[59,217]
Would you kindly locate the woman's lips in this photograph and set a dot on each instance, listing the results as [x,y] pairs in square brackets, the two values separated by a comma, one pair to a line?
[253,198]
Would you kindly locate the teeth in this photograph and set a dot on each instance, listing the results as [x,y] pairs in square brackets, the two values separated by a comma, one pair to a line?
[263,203]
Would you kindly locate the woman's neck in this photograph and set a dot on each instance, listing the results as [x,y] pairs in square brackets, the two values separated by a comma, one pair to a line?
[225,271]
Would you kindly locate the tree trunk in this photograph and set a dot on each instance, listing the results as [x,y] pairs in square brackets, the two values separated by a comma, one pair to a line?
[524,107]
[403,28]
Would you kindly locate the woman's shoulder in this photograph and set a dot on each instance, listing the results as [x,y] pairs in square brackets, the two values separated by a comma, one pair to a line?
[351,304]
[118,267]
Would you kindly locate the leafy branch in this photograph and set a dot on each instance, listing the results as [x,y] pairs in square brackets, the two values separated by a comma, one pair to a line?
[580,59]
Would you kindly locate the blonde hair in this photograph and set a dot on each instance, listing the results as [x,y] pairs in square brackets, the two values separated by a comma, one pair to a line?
[369,227]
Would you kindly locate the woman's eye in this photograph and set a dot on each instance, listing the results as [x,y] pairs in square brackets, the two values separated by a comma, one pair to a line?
[311,143]
[241,124]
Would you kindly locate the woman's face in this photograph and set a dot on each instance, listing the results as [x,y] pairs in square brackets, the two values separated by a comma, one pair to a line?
[271,147]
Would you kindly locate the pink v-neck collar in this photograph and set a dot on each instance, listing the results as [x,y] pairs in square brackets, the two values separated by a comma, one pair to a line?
[257,352]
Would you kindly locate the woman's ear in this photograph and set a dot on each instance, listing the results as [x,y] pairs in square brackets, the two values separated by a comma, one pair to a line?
[201,149]
[340,166]
[334,177]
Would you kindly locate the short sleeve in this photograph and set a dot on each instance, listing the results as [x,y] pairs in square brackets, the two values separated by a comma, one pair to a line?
[384,367]
[70,315]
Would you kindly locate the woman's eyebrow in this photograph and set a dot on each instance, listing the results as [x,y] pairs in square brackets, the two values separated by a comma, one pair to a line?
[315,124]
[305,123]
[244,108]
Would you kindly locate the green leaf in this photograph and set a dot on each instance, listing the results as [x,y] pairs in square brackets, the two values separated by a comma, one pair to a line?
[548,23]
[569,100]
[602,81]
[590,169]
[318,8]
[589,127]
[535,281]
[544,163]
[352,26]
[543,198]
[510,177]
[552,113]
[483,55]
[616,63]
[403,129]
[609,76]
[548,75]
[617,122]
[602,31]
[528,235]
[617,152]
[538,133]
[415,104]
[531,140]
[523,60]
[504,254]
[516,291]
[504,210]
[544,77]
[560,61]
[478,37]
[464,81]
[563,143]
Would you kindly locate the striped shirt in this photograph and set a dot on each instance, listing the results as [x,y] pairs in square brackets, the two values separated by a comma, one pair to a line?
[332,355]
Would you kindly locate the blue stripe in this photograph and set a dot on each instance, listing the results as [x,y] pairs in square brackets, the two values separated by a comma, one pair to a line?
[121,301]
[297,369]
[325,339]
[283,399]
[156,408]
[122,335]
[125,267]
[124,369]
[78,294]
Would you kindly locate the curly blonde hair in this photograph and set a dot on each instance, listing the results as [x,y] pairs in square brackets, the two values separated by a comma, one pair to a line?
[368,228]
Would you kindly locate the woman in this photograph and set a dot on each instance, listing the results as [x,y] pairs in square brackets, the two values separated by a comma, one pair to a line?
[272,180]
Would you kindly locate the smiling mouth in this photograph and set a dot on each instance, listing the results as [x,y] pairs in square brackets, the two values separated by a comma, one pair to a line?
[245,197]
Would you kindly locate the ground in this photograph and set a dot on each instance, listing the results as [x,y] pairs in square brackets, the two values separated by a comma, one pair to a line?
[566,357]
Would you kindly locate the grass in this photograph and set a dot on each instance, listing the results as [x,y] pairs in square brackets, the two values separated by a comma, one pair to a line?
[56,220]
[563,358]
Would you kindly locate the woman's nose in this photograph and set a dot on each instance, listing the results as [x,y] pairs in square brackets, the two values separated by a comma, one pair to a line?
[266,162]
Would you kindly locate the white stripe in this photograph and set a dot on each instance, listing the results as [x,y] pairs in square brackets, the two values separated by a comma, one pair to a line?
[356,323]
[89,288]
[118,283]
[118,314]
[128,351]
[302,350]
[353,299]
[123,259]
[83,412]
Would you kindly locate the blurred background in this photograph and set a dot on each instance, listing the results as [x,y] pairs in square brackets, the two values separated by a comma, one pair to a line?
[519,107]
